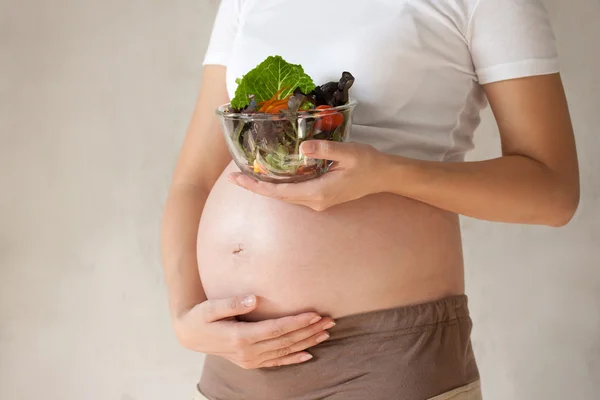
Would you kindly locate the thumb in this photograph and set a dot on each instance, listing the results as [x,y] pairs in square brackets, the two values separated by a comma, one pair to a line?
[326,150]
[218,309]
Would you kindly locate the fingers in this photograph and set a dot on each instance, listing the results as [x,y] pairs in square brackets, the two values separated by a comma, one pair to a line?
[328,150]
[262,188]
[225,308]
[255,332]
[281,191]
[296,347]
[297,340]
[283,340]
[296,358]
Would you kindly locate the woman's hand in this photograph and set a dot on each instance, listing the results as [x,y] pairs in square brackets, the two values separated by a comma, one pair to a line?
[353,176]
[211,328]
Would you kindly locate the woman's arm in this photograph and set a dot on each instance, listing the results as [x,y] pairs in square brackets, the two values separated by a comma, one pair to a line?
[203,158]
[209,326]
[536,181]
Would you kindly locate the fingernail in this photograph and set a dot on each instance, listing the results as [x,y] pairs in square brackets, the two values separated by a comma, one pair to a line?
[308,147]
[322,337]
[315,320]
[305,357]
[249,301]
[329,325]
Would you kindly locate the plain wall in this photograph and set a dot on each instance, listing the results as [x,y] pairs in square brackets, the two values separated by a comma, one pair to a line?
[95,97]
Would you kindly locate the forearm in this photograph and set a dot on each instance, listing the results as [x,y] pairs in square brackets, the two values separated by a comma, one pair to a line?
[513,189]
[202,159]
[179,233]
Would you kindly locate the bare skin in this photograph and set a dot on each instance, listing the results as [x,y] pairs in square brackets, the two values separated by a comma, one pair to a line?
[380,231]
[210,326]
[378,252]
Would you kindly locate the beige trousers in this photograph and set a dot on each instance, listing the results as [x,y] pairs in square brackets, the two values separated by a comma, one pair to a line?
[469,392]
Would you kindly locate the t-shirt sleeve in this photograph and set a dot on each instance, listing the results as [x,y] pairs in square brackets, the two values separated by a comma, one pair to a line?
[511,39]
[223,33]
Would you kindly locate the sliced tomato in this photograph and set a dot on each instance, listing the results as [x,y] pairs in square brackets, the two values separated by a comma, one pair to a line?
[328,119]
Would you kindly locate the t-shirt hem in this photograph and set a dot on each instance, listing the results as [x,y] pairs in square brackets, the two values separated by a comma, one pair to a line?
[215,59]
[516,70]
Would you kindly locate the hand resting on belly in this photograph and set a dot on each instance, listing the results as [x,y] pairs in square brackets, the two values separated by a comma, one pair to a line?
[212,328]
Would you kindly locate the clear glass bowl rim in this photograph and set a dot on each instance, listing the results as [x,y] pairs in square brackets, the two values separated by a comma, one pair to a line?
[351,104]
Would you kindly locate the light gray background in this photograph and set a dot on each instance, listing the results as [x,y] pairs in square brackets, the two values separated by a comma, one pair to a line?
[95,96]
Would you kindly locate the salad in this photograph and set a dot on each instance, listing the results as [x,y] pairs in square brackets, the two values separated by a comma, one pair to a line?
[276,107]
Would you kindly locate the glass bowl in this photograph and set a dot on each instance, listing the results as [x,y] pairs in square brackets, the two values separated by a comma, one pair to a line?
[267,146]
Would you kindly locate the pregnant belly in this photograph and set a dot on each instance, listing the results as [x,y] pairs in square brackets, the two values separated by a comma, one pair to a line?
[378,252]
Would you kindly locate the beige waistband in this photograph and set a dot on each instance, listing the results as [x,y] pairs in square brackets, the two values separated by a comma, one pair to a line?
[471,391]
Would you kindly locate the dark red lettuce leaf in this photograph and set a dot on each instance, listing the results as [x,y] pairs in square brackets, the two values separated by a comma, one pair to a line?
[334,94]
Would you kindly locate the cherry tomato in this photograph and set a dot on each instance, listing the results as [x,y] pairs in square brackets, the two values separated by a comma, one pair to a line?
[328,120]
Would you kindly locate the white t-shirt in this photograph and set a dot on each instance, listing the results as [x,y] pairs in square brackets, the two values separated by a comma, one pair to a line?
[419,64]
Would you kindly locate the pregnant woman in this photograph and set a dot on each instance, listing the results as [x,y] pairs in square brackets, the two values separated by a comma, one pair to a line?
[351,286]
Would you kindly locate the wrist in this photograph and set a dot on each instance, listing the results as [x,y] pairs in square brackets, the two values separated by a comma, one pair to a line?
[179,311]
[394,174]
[178,315]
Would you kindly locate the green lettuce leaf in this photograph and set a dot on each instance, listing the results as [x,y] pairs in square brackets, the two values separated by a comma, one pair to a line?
[268,78]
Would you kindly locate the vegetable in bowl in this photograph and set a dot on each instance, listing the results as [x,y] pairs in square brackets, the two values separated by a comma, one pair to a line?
[276,107]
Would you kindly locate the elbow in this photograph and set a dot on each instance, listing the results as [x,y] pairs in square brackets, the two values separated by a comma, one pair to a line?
[563,208]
